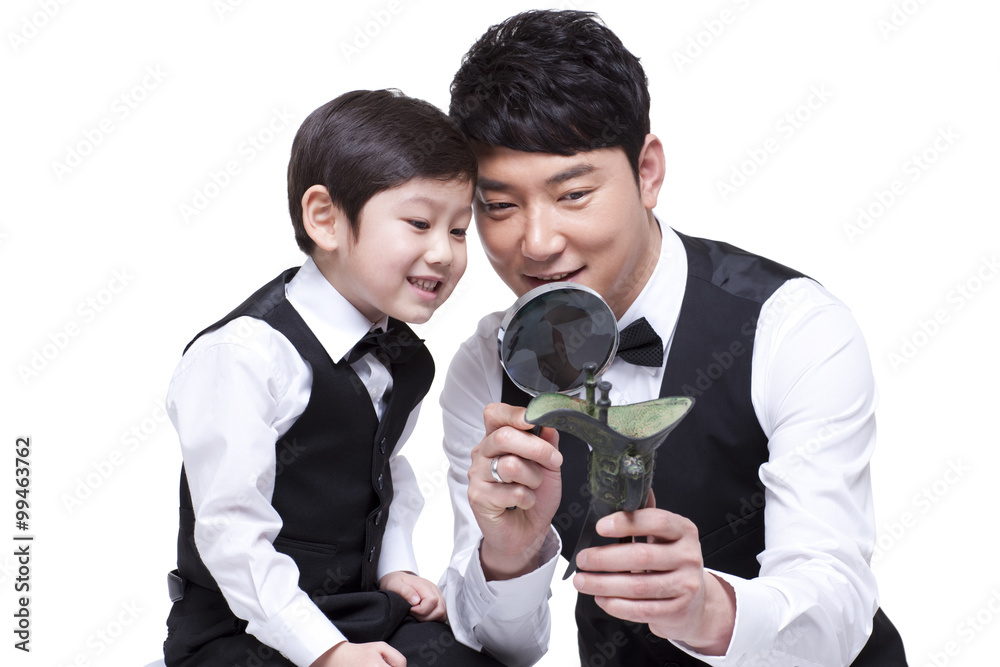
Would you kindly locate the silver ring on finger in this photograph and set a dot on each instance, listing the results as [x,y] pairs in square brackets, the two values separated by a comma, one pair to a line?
[493,470]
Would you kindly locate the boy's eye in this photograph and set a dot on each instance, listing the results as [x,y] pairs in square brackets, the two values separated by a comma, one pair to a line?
[420,224]
[460,232]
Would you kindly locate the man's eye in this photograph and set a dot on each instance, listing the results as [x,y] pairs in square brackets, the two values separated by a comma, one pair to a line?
[497,206]
[420,224]
[575,196]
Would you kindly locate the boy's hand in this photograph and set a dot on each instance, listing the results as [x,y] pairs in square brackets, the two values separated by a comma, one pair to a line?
[373,654]
[424,596]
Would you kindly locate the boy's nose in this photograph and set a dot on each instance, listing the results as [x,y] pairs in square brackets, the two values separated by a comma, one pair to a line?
[440,250]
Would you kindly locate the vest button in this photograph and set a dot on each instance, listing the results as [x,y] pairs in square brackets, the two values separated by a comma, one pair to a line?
[381,446]
[378,517]
[378,482]
[371,555]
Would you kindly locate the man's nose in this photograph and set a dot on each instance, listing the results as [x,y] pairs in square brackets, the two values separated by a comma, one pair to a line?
[542,238]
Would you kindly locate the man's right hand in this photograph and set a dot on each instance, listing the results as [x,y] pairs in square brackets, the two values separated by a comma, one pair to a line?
[372,654]
[532,486]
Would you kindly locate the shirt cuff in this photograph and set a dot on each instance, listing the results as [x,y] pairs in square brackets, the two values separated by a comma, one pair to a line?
[511,599]
[756,617]
[396,555]
[300,632]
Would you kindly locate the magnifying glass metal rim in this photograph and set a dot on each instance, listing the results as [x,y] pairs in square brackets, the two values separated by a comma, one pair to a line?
[530,296]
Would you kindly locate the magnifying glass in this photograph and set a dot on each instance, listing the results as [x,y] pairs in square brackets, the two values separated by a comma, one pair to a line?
[551,341]
[552,332]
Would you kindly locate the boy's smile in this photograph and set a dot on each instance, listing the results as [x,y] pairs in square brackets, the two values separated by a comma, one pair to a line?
[410,251]
[579,218]
[425,286]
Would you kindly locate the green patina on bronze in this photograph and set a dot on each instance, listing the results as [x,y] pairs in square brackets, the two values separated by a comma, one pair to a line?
[623,440]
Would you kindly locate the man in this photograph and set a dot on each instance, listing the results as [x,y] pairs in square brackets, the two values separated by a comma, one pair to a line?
[755,545]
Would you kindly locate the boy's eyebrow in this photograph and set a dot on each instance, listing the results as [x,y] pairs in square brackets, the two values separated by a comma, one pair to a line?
[422,199]
[555,179]
[417,199]
[433,203]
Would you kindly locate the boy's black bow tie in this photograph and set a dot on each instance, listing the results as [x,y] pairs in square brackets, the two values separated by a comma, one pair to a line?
[639,344]
[390,347]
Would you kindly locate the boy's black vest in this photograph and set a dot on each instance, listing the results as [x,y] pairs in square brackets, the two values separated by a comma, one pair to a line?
[332,485]
[707,468]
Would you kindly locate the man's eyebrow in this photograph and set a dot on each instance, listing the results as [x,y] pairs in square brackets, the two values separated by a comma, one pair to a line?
[563,176]
[572,172]
[494,186]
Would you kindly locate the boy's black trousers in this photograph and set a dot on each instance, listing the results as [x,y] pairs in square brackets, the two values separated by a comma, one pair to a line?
[203,632]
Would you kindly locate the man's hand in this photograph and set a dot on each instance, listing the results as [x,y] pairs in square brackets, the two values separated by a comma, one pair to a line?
[662,583]
[427,603]
[373,654]
[532,486]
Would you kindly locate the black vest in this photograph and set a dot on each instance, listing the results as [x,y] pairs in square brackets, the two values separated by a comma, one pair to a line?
[332,486]
[707,468]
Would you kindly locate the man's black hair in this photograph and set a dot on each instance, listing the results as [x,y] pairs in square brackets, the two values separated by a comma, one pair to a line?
[552,82]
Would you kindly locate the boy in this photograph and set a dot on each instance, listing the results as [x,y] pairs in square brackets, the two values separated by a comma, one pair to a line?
[296,512]
[757,544]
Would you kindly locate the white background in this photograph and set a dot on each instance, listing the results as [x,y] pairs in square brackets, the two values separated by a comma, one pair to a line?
[104,280]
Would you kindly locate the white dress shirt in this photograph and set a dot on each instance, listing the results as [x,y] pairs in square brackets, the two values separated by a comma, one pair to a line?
[813,392]
[235,393]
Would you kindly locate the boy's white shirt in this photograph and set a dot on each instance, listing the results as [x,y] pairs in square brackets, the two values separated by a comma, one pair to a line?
[234,394]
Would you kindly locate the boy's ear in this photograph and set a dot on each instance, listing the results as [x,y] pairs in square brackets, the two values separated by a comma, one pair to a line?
[324,221]
[652,169]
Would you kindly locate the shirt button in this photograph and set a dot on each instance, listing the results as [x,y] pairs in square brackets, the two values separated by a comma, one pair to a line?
[379,481]
[381,446]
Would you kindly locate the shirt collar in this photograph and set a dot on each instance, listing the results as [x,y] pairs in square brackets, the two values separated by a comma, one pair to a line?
[333,320]
[660,299]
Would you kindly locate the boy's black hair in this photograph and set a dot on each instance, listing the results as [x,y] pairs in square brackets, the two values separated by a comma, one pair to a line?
[551,81]
[365,142]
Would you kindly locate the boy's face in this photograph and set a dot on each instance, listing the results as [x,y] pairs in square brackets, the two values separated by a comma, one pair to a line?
[410,251]
[580,218]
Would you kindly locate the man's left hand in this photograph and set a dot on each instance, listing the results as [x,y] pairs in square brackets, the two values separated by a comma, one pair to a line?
[662,582]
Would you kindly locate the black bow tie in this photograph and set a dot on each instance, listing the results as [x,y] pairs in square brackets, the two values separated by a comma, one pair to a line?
[390,347]
[638,344]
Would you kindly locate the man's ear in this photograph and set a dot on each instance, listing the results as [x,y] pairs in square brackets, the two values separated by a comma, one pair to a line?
[324,221]
[652,169]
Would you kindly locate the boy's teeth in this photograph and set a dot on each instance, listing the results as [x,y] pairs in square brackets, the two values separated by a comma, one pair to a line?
[426,285]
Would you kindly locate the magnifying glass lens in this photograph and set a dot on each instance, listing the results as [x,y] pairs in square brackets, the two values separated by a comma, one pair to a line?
[550,338]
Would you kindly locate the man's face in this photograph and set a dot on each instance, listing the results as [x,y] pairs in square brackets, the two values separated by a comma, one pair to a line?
[579,218]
